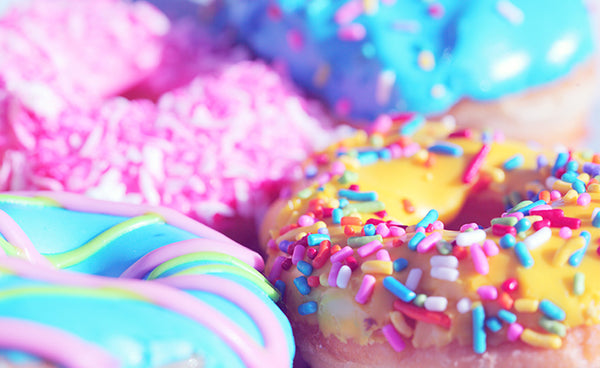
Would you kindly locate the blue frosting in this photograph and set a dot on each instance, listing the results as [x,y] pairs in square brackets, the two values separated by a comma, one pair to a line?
[139,333]
[479,50]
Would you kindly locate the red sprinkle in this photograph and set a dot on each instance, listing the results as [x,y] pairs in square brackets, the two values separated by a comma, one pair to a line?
[540,224]
[397,243]
[402,117]
[323,254]
[463,133]
[505,300]
[311,253]
[327,211]
[422,314]
[313,281]
[286,264]
[459,252]
[381,214]
[374,221]
[570,222]
[334,249]
[349,230]
[500,230]
[510,285]
[552,214]
[354,187]
[351,262]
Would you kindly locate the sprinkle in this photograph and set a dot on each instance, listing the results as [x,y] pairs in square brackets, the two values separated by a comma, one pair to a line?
[479,335]
[475,165]
[523,255]
[359,241]
[471,237]
[551,310]
[596,219]
[408,206]
[436,303]
[578,283]
[577,257]
[307,308]
[398,289]
[479,260]
[507,316]
[508,221]
[322,254]
[565,232]
[400,324]
[429,242]
[510,285]
[357,196]
[305,268]
[276,269]
[526,305]
[490,248]
[444,261]
[351,220]
[443,247]
[444,273]
[400,264]
[487,292]
[525,206]
[280,286]
[343,277]
[554,327]
[415,240]
[541,340]
[314,239]
[342,254]
[538,238]
[302,285]
[561,160]
[429,218]
[298,254]
[523,225]
[363,207]
[500,230]
[446,148]
[377,267]
[421,314]
[333,274]
[313,281]
[413,279]
[369,248]
[412,125]
[419,300]
[426,60]
[514,162]
[383,255]
[514,332]
[463,306]
[493,324]
[393,337]
[383,230]
[366,289]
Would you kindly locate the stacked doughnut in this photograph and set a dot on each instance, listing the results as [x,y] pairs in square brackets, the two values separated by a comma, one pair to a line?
[88,283]
[373,275]
[511,65]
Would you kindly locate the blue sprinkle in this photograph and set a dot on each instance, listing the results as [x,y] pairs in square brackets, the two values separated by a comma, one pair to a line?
[561,160]
[302,285]
[280,286]
[446,148]
[304,267]
[336,216]
[343,202]
[525,210]
[323,230]
[367,157]
[369,229]
[400,264]
[493,324]
[429,219]
[579,186]
[310,171]
[523,255]
[551,310]
[523,225]
[385,154]
[415,240]
[541,161]
[284,245]
[569,176]
[572,166]
[357,196]
[307,308]
[514,162]
[316,239]
[507,241]
[577,256]
[479,335]
[596,220]
[507,316]
[398,289]
[411,126]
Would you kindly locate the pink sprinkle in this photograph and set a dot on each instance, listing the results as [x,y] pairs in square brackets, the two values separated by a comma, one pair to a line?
[514,331]
[396,150]
[555,195]
[352,32]
[393,337]
[337,168]
[541,207]
[333,274]
[271,245]
[382,124]
[382,230]
[429,242]
[348,12]
[420,229]
[438,225]
[411,149]
[295,39]
[480,261]
[298,255]
[276,270]
[306,220]
[366,289]
[369,248]
[584,199]
[341,254]
[466,227]
[383,255]
[490,248]
[565,232]
[487,292]
[397,231]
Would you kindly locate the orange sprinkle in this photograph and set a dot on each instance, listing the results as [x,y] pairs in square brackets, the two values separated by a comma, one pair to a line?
[336,248]
[596,158]
[430,160]
[408,206]
[349,230]
[545,195]
[422,314]
[505,300]
[323,254]
[351,220]
[459,252]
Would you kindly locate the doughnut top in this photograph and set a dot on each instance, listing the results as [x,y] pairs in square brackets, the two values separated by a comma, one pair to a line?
[360,268]
[129,286]
[368,57]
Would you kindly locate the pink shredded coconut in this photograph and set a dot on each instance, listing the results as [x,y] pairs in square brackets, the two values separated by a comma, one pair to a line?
[218,148]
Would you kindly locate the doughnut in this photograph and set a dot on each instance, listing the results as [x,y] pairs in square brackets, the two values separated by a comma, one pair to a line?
[511,65]
[207,131]
[380,264]
[89,283]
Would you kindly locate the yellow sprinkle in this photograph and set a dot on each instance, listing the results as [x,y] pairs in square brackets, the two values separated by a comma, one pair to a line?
[333,203]
[562,186]
[562,254]
[584,177]
[321,75]
[371,6]
[300,236]
[498,175]
[571,196]
[293,204]
[376,140]
[526,305]
[378,267]
[293,234]
[400,324]
[426,60]
[594,188]
[533,219]
[541,340]
[351,163]
[421,156]
[323,279]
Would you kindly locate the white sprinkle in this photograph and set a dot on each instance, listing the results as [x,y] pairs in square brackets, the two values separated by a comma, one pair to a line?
[469,238]
[385,84]
[510,11]
[463,306]
[413,279]
[343,277]
[148,188]
[444,261]
[436,303]
[538,238]
[444,273]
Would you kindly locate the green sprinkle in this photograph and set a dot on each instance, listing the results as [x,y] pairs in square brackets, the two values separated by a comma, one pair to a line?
[443,247]
[348,177]
[552,326]
[519,205]
[363,207]
[579,283]
[305,193]
[508,221]
[359,241]
[419,300]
